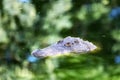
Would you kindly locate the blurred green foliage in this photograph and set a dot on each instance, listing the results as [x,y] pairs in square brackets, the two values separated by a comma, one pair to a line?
[29,24]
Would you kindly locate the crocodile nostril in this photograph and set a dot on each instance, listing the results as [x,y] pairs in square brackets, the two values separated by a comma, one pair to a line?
[60,41]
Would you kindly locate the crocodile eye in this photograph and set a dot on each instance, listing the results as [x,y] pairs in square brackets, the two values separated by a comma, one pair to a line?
[76,41]
[67,44]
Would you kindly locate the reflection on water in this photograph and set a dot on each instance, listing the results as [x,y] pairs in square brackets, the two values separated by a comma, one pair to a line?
[29,24]
[117,59]
[32,59]
[25,1]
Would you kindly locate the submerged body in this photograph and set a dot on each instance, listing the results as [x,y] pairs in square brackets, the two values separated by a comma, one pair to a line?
[65,46]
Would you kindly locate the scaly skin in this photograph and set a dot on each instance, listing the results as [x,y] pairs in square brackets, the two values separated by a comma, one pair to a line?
[65,46]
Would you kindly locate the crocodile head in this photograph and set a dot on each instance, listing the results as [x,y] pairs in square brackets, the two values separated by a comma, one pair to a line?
[65,46]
